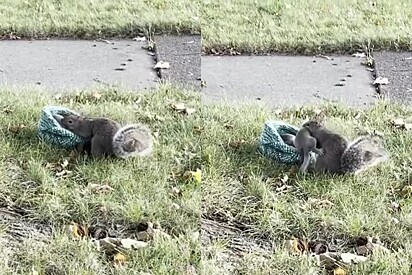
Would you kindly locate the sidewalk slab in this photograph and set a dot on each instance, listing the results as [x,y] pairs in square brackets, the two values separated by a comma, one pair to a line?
[66,65]
[397,67]
[286,81]
[183,54]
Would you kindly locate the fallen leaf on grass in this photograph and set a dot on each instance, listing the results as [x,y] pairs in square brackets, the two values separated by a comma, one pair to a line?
[381,81]
[17,128]
[395,207]
[139,39]
[190,270]
[198,129]
[7,110]
[100,188]
[96,95]
[78,231]
[195,176]
[112,245]
[178,106]
[297,246]
[318,203]
[162,65]
[369,244]
[190,111]
[182,108]
[119,259]
[359,55]
[152,233]
[350,258]
[237,143]
[332,260]
[339,271]
[401,124]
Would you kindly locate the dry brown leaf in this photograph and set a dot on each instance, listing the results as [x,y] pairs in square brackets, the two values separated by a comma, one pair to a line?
[101,188]
[189,111]
[396,207]
[297,246]
[178,106]
[132,244]
[139,39]
[152,233]
[237,143]
[190,270]
[359,55]
[17,128]
[339,271]
[350,258]
[78,231]
[318,203]
[119,259]
[65,163]
[401,124]
[7,110]
[369,244]
[381,81]
[176,191]
[162,65]
[96,95]
[198,129]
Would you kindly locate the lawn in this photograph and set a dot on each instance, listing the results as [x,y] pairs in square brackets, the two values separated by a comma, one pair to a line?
[97,19]
[251,206]
[46,189]
[301,26]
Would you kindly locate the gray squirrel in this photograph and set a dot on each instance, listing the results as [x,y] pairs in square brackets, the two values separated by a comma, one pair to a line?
[341,156]
[107,137]
[305,143]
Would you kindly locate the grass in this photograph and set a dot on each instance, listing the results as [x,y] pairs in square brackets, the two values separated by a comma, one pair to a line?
[142,189]
[301,26]
[247,214]
[243,195]
[97,19]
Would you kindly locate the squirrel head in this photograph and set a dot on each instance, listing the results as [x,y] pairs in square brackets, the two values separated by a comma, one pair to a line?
[69,122]
[312,124]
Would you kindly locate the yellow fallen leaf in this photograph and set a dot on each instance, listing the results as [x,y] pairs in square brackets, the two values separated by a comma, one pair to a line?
[78,231]
[119,259]
[297,246]
[339,271]
[197,175]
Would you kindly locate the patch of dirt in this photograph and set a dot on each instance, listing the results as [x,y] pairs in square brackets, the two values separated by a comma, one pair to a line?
[238,238]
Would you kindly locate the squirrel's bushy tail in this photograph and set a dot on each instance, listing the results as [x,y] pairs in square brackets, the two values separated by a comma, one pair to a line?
[361,154]
[132,140]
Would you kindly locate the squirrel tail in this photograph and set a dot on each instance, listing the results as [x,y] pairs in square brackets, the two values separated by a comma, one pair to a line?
[132,140]
[361,154]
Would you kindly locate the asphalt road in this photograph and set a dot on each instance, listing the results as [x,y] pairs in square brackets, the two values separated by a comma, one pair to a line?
[183,55]
[397,68]
[277,81]
[66,65]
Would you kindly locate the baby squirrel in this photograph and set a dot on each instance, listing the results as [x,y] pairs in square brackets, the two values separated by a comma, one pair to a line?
[340,156]
[305,143]
[107,137]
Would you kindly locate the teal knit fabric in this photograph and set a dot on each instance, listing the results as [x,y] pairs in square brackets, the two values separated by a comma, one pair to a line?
[272,145]
[50,131]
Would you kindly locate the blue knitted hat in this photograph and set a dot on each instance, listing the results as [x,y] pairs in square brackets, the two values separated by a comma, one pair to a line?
[272,145]
[50,131]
